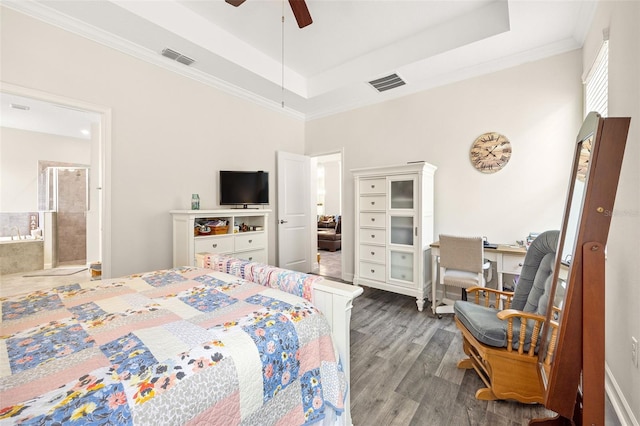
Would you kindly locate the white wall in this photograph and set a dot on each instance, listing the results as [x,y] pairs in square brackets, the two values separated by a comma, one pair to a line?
[536,105]
[20,151]
[332,186]
[622,318]
[170,134]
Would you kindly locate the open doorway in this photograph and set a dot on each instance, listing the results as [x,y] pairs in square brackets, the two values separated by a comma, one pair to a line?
[70,141]
[329,212]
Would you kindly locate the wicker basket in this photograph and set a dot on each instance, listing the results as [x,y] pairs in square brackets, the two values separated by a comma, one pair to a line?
[217,230]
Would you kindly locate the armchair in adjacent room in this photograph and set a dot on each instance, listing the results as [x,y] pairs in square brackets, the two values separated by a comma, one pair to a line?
[502,345]
[330,233]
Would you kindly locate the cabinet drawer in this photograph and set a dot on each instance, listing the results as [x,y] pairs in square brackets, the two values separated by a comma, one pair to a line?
[222,244]
[372,253]
[512,264]
[373,203]
[372,219]
[373,186]
[372,271]
[372,236]
[253,255]
[250,241]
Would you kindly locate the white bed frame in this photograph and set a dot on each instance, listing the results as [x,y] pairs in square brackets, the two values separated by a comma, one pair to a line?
[335,301]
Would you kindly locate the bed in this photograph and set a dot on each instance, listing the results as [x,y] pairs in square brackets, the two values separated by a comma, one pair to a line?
[187,345]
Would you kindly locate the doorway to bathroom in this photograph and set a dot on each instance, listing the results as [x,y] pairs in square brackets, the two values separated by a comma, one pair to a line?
[72,141]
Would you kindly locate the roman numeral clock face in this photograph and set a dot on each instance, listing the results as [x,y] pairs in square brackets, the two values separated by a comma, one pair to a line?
[490,152]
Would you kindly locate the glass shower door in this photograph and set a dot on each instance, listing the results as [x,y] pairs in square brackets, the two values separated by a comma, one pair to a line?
[67,193]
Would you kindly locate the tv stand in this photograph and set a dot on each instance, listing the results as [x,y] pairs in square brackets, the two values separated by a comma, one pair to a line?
[250,245]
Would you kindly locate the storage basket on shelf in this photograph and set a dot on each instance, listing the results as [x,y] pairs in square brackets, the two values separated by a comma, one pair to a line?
[217,230]
[211,227]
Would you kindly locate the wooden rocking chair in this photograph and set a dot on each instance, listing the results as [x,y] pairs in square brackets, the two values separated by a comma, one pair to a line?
[502,344]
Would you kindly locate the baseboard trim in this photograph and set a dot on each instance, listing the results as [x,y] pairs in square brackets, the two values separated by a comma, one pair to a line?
[619,402]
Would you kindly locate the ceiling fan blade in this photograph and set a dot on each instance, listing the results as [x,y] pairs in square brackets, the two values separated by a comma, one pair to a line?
[235,3]
[301,12]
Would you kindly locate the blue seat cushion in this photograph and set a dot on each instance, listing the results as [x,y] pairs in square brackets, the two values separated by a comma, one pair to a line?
[484,324]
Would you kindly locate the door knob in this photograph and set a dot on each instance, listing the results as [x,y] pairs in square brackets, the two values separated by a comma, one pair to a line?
[283,221]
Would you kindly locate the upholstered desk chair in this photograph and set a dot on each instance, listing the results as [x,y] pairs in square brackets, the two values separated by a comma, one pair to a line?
[462,265]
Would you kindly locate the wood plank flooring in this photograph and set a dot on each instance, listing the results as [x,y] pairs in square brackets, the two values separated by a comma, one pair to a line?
[403,370]
[330,264]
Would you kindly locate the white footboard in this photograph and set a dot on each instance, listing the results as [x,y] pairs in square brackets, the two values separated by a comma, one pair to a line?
[334,300]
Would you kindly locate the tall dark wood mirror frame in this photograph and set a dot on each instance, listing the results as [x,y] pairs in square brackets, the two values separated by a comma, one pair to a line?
[574,378]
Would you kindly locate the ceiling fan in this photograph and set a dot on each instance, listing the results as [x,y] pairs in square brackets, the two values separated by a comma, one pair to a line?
[299,8]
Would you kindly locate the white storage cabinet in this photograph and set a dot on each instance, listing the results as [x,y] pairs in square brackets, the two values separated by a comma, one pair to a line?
[394,228]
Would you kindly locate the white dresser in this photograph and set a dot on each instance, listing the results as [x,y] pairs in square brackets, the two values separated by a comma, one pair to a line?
[251,244]
[394,228]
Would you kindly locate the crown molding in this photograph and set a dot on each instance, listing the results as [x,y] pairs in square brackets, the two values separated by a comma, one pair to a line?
[476,70]
[60,20]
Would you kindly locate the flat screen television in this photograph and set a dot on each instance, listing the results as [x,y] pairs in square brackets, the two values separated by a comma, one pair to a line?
[244,188]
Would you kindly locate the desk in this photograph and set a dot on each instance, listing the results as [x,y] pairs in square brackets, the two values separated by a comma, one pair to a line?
[508,260]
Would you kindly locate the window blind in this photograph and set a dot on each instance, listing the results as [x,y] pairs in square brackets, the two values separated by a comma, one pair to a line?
[597,83]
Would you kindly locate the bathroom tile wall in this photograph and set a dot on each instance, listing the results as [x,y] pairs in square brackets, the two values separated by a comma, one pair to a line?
[23,220]
[72,237]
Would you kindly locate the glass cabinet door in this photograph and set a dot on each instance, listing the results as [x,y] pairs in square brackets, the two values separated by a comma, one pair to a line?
[402,223]
[401,230]
[402,194]
[401,266]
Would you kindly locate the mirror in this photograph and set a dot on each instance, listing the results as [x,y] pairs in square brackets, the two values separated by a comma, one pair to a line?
[569,231]
[571,357]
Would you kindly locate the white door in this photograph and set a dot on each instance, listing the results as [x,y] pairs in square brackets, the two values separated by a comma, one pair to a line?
[294,212]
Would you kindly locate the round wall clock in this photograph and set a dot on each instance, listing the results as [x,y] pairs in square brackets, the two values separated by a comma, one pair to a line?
[490,152]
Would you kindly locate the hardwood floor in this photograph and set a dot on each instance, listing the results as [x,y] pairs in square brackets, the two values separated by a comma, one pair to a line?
[330,264]
[403,370]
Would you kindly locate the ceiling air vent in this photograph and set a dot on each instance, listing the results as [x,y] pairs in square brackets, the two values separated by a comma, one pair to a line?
[177,56]
[388,82]
[21,107]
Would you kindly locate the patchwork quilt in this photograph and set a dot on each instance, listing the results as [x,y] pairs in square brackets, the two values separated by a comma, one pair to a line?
[293,282]
[179,346]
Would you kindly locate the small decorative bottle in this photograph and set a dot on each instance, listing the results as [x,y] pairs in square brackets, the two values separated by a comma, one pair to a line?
[195,202]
